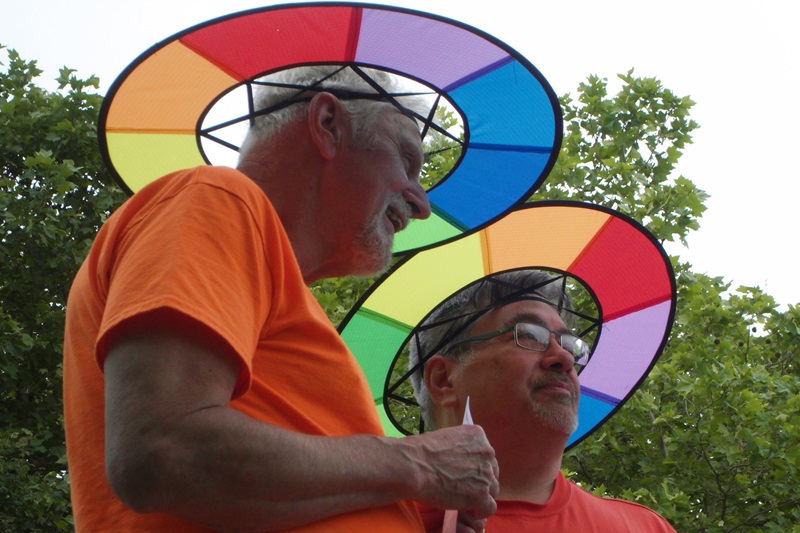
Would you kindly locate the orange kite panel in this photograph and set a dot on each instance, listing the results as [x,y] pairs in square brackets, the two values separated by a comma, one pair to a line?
[557,236]
[167,93]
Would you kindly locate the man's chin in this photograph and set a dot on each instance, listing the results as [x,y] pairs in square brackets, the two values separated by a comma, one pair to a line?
[557,417]
[372,261]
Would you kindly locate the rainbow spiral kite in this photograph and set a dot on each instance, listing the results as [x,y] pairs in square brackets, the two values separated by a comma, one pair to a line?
[151,120]
[626,270]
[152,123]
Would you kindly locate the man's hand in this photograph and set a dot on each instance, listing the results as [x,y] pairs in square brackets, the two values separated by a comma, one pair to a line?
[469,524]
[457,470]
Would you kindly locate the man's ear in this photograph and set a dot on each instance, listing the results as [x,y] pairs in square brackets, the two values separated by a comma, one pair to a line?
[329,124]
[438,379]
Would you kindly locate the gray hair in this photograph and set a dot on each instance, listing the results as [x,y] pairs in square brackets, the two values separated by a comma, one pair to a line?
[452,321]
[288,91]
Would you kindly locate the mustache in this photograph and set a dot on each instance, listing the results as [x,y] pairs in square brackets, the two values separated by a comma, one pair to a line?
[549,380]
[399,204]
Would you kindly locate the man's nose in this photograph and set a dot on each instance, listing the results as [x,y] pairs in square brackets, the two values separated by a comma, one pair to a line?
[556,357]
[416,197]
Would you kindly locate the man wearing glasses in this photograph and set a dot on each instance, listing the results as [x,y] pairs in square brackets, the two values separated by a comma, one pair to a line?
[501,348]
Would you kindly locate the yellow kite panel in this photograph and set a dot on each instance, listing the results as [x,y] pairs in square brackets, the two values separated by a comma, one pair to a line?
[165,153]
[415,288]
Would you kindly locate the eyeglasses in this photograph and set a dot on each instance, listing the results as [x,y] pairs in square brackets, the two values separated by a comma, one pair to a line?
[536,337]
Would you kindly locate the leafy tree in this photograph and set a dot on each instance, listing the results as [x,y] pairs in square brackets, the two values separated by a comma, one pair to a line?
[712,438]
[54,193]
[621,152]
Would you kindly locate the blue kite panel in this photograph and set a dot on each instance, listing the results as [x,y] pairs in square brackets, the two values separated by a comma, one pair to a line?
[590,413]
[508,106]
[486,183]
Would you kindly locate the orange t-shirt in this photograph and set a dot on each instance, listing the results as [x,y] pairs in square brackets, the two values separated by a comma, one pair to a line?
[206,243]
[570,508]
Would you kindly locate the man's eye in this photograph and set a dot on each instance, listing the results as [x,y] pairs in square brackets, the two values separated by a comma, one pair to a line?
[410,166]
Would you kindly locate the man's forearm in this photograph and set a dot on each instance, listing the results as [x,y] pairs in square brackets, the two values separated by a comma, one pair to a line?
[225,470]
[173,445]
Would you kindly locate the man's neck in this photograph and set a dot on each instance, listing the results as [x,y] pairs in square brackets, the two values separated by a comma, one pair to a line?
[296,199]
[528,470]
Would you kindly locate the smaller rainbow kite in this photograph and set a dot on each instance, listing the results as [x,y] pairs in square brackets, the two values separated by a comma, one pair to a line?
[614,257]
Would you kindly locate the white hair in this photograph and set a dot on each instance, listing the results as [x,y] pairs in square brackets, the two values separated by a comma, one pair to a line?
[283,96]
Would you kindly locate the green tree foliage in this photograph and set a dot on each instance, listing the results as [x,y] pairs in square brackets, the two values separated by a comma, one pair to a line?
[710,440]
[621,152]
[54,193]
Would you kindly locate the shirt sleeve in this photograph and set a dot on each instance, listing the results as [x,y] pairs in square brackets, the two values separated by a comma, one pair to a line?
[197,254]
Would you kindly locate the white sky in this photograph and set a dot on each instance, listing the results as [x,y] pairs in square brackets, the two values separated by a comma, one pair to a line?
[734,59]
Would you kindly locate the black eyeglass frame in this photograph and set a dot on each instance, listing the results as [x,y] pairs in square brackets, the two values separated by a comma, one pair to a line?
[579,362]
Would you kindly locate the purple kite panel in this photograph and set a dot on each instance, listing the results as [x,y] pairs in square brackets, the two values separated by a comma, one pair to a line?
[429,49]
[626,350]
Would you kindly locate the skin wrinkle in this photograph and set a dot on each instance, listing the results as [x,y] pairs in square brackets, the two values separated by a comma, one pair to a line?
[533,319]
[373,245]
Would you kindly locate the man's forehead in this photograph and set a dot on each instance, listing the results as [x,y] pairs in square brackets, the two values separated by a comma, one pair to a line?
[532,309]
[404,121]
[533,304]
[531,295]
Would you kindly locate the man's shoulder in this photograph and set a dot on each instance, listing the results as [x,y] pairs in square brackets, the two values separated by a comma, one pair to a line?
[203,183]
[225,178]
[632,511]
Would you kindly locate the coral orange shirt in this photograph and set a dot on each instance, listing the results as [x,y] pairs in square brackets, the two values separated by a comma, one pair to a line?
[207,244]
[570,508]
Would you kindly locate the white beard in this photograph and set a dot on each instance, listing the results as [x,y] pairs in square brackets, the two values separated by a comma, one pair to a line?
[372,249]
[559,414]
[557,418]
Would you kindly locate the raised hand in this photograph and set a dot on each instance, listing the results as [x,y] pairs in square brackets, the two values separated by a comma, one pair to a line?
[456,469]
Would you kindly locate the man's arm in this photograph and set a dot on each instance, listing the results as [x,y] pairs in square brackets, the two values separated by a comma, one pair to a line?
[173,445]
